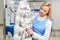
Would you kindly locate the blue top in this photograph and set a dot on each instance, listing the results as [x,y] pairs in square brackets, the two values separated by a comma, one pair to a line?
[39,26]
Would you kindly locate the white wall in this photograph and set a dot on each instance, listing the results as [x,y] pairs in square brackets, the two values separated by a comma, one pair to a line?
[56,14]
[1,11]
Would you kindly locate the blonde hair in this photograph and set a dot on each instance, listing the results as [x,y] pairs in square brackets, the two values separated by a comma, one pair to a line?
[48,5]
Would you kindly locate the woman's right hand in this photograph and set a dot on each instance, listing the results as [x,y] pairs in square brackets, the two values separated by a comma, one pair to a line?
[29,31]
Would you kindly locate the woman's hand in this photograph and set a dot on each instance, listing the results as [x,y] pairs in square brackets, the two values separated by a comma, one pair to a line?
[29,31]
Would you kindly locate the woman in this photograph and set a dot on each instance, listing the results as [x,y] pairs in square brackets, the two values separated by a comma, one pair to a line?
[41,24]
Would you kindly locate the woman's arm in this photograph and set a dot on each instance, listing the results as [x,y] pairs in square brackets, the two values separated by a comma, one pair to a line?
[46,34]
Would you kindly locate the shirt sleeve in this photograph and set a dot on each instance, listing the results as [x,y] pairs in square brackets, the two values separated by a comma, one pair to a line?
[46,34]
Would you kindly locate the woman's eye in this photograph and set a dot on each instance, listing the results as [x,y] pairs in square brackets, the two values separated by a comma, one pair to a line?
[41,8]
[44,10]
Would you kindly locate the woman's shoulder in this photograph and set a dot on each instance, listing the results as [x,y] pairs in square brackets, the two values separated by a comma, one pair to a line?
[49,21]
[49,24]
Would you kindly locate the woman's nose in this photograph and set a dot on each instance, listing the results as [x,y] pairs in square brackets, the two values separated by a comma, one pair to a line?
[41,11]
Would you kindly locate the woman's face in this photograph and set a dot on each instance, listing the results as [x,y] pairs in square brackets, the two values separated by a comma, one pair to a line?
[43,11]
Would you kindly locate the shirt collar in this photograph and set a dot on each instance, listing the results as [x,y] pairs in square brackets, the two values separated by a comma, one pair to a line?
[41,18]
